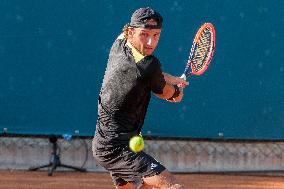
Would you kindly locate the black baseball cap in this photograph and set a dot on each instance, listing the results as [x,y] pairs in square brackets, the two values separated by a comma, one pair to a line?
[140,17]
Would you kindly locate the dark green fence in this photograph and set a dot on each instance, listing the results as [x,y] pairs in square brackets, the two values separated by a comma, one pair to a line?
[53,56]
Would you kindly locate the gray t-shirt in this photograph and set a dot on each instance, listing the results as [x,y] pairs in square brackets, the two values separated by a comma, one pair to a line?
[125,94]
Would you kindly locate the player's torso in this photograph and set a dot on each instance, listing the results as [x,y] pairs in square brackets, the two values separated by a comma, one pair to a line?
[123,87]
[124,95]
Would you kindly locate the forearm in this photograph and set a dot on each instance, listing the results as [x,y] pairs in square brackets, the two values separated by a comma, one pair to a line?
[168,91]
[169,78]
[171,93]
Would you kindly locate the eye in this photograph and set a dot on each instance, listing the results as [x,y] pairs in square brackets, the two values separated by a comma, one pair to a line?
[156,35]
[144,34]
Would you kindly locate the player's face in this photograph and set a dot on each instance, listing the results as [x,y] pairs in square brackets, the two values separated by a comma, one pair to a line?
[145,40]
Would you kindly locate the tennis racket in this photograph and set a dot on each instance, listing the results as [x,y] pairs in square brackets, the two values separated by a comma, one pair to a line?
[201,52]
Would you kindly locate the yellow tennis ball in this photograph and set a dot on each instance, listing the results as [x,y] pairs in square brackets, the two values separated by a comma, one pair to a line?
[136,144]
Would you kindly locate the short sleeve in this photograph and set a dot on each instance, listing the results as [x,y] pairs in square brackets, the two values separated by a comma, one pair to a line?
[150,68]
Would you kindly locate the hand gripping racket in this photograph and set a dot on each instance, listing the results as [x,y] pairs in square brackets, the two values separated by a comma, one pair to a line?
[201,52]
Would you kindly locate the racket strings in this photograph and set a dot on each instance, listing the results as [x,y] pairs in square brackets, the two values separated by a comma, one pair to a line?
[202,50]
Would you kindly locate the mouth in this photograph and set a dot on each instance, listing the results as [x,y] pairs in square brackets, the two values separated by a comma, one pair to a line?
[149,48]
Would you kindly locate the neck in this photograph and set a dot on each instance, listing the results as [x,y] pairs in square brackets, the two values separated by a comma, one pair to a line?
[136,54]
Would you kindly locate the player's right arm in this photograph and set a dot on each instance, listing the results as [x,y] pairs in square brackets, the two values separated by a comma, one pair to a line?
[175,80]
[164,85]
[171,93]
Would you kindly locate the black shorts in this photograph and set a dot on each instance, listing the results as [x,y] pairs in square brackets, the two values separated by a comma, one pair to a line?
[126,166]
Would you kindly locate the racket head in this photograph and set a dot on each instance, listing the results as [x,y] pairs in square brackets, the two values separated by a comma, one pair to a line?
[202,50]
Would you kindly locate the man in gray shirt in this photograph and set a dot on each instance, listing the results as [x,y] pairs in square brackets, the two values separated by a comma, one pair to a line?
[131,75]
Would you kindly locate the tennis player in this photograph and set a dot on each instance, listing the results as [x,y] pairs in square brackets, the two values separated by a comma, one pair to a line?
[131,75]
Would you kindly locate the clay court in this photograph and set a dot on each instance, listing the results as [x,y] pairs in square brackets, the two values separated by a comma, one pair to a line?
[75,180]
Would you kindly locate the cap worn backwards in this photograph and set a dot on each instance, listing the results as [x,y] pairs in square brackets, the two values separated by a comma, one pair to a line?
[140,18]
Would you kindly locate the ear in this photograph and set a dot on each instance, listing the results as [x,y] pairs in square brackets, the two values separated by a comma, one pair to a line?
[130,32]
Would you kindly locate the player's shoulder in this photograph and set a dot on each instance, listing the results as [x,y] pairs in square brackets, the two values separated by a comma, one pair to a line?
[148,65]
[118,46]
[151,60]
[120,40]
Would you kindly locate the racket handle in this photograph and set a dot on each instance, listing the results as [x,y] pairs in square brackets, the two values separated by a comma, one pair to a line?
[183,76]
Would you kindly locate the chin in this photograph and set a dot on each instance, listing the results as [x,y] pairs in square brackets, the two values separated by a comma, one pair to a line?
[148,53]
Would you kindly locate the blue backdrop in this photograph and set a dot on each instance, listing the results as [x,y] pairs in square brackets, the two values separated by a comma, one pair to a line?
[53,56]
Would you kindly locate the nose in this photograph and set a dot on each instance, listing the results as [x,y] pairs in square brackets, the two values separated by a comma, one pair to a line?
[149,41]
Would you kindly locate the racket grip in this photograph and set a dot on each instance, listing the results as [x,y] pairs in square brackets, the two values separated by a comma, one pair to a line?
[183,76]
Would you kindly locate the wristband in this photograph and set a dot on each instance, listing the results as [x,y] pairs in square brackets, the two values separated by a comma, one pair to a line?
[176,93]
